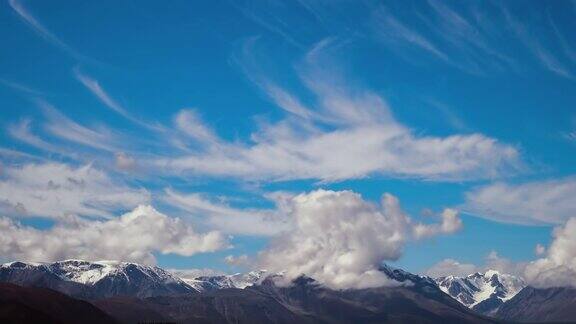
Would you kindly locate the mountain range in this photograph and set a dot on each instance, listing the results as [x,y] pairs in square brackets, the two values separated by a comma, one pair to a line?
[130,293]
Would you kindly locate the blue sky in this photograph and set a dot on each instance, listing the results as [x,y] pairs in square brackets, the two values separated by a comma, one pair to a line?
[212,111]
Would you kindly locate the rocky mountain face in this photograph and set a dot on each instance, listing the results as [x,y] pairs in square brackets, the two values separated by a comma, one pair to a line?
[541,305]
[482,292]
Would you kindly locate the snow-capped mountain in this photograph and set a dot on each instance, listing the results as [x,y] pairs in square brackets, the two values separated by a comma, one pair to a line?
[238,280]
[483,292]
[100,279]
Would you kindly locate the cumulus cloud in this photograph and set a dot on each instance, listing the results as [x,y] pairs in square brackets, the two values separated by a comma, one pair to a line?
[537,202]
[134,236]
[340,239]
[450,223]
[57,190]
[504,265]
[558,267]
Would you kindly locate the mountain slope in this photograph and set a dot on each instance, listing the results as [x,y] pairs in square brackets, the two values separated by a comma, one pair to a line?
[540,305]
[37,305]
[483,292]
[92,280]
[135,293]
[305,301]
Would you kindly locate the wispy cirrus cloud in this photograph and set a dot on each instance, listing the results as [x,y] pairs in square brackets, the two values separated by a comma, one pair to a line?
[63,127]
[473,40]
[44,32]
[23,132]
[96,89]
[545,56]
[348,132]
[21,87]
[243,221]
[535,202]
[392,28]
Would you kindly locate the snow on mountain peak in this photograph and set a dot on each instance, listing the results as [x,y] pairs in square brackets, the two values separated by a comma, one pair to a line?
[91,272]
[484,291]
[238,280]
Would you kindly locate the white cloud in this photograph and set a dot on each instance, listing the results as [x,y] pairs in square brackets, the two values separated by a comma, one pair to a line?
[390,28]
[22,131]
[134,236]
[189,122]
[191,274]
[450,267]
[287,101]
[57,190]
[345,132]
[94,86]
[493,261]
[545,56]
[339,239]
[537,202]
[237,261]
[352,153]
[230,220]
[362,141]
[451,223]
[558,267]
[65,128]
[124,161]
[504,265]
[17,6]
[539,249]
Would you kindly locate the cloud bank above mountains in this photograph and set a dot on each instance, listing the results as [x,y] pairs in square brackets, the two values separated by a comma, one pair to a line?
[340,239]
[335,237]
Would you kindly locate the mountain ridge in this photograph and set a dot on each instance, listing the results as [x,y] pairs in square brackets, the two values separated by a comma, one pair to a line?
[221,299]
